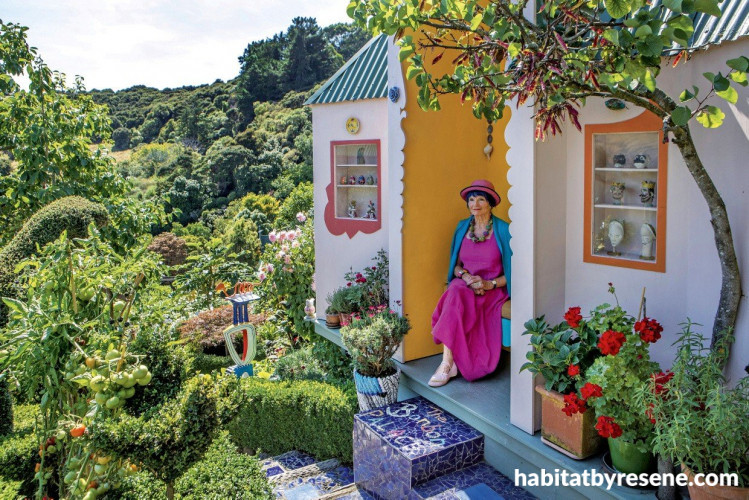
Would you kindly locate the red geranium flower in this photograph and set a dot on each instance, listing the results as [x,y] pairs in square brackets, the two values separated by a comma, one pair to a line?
[649,413]
[607,428]
[573,404]
[649,330]
[573,370]
[660,380]
[591,391]
[610,342]
[573,317]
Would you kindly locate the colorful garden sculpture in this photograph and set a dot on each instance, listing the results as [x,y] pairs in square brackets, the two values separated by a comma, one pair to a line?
[240,301]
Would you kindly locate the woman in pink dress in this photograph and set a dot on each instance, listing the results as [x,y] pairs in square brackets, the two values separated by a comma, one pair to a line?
[468,316]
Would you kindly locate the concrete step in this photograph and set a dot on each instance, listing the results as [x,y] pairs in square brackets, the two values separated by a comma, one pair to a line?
[402,445]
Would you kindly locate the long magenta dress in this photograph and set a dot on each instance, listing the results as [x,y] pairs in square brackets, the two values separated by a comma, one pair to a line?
[469,324]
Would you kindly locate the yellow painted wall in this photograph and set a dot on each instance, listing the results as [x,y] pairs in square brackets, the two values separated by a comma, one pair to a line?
[443,154]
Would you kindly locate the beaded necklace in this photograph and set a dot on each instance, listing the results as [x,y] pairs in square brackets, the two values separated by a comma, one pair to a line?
[472,233]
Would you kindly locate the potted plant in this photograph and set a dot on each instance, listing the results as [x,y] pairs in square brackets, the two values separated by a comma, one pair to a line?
[332,312]
[699,422]
[561,354]
[613,381]
[350,301]
[371,341]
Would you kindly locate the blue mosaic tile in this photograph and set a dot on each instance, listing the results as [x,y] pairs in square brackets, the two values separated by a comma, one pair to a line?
[451,485]
[274,471]
[294,460]
[320,484]
[410,442]
[359,494]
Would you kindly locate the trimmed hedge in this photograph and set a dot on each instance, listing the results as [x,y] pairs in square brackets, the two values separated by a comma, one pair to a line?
[313,417]
[208,363]
[71,213]
[18,452]
[223,473]
[6,409]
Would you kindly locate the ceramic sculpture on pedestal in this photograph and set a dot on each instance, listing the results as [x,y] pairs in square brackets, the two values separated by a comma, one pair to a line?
[617,192]
[640,161]
[616,235]
[351,212]
[647,234]
[619,161]
[360,157]
[371,212]
[647,193]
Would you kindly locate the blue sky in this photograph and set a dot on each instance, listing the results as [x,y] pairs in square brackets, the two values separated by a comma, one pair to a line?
[160,43]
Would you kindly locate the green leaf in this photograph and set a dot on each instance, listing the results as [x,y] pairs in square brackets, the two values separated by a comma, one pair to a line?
[643,31]
[686,96]
[412,71]
[721,83]
[710,76]
[513,49]
[738,77]
[739,64]
[617,8]
[650,46]
[681,115]
[612,36]
[708,7]
[711,117]
[405,52]
[729,95]
[649,81]
[673,5]
[476,22]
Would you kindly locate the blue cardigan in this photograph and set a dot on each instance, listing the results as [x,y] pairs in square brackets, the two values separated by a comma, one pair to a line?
[501,233]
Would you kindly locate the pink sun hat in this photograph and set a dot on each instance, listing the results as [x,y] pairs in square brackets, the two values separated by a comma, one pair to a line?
[484,186]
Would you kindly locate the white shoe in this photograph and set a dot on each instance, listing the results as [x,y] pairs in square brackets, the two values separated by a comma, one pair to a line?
[443,374]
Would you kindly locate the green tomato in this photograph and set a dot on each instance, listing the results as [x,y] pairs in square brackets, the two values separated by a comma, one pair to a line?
[122,393]
[97,383]
[113,402]
[101,398]
[90,495]
[85,294]
[112,355]
[100,469]
[51,449]
[103,488]
[130,381]
[145,380]
[119,306]
[61,435]
[129,392]
[70,477]
[140,372]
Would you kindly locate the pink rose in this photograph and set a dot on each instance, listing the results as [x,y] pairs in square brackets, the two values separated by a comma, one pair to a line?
[280,255]
[261,276]
[287,259]
[272,236]
[270,268]
[301,217]
[281,235]
[295,244]
[285,248]
[290,235]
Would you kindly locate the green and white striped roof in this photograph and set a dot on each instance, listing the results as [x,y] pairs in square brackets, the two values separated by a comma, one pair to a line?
[364,76]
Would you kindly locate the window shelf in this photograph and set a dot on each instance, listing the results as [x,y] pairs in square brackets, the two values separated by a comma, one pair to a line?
[626,207]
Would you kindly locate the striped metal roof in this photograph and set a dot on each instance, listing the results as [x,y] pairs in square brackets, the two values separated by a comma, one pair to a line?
[710,30]
[364,76]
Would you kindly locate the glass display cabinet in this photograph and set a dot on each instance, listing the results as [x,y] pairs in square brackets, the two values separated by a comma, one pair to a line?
[625,194]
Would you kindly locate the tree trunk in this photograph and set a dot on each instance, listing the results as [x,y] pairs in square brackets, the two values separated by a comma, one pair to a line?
[730,289]
[170,491]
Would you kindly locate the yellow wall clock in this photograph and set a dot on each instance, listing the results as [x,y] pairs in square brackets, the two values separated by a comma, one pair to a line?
[353,125]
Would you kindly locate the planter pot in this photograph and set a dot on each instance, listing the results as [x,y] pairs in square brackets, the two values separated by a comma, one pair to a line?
[628,459]
[333,320]
[574,436]
[714,492]
[373,392]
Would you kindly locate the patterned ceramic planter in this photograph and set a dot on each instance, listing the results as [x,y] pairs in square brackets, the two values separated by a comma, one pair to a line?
[373,392]
[574,436]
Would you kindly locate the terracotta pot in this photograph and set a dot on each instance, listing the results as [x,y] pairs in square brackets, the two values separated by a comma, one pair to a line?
[714,492]
[333,320]
[574,436]
[345,318]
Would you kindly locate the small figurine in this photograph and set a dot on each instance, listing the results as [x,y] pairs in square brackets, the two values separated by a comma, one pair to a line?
[309,310]
[640,161]
[351,209]
[647,193]
[371,212]
[361,180]
[360,157]
[370,180]
[352,180]
[344,180]
[647,235]
[616,235]
[617,192]
[619,161]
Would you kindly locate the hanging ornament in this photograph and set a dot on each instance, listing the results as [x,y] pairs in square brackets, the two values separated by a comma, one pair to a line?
[489,148]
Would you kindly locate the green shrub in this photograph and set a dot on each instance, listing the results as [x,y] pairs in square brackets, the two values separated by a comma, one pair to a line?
[313,417]
[6,409]
[300,364]
[172,248]
[299,200]
[206,329]
[168,442]
[72,214]
[209,363]
[18,451]
[9,490]
[224,473]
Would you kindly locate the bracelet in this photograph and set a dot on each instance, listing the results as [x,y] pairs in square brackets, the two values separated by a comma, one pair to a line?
[494,282]
[461,273]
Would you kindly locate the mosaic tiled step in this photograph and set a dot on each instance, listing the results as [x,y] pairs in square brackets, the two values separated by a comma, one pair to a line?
[286,462]
[312,482]
[410,442]
[466,484]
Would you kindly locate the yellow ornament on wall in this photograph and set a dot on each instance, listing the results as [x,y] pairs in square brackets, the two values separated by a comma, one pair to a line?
[353,125]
